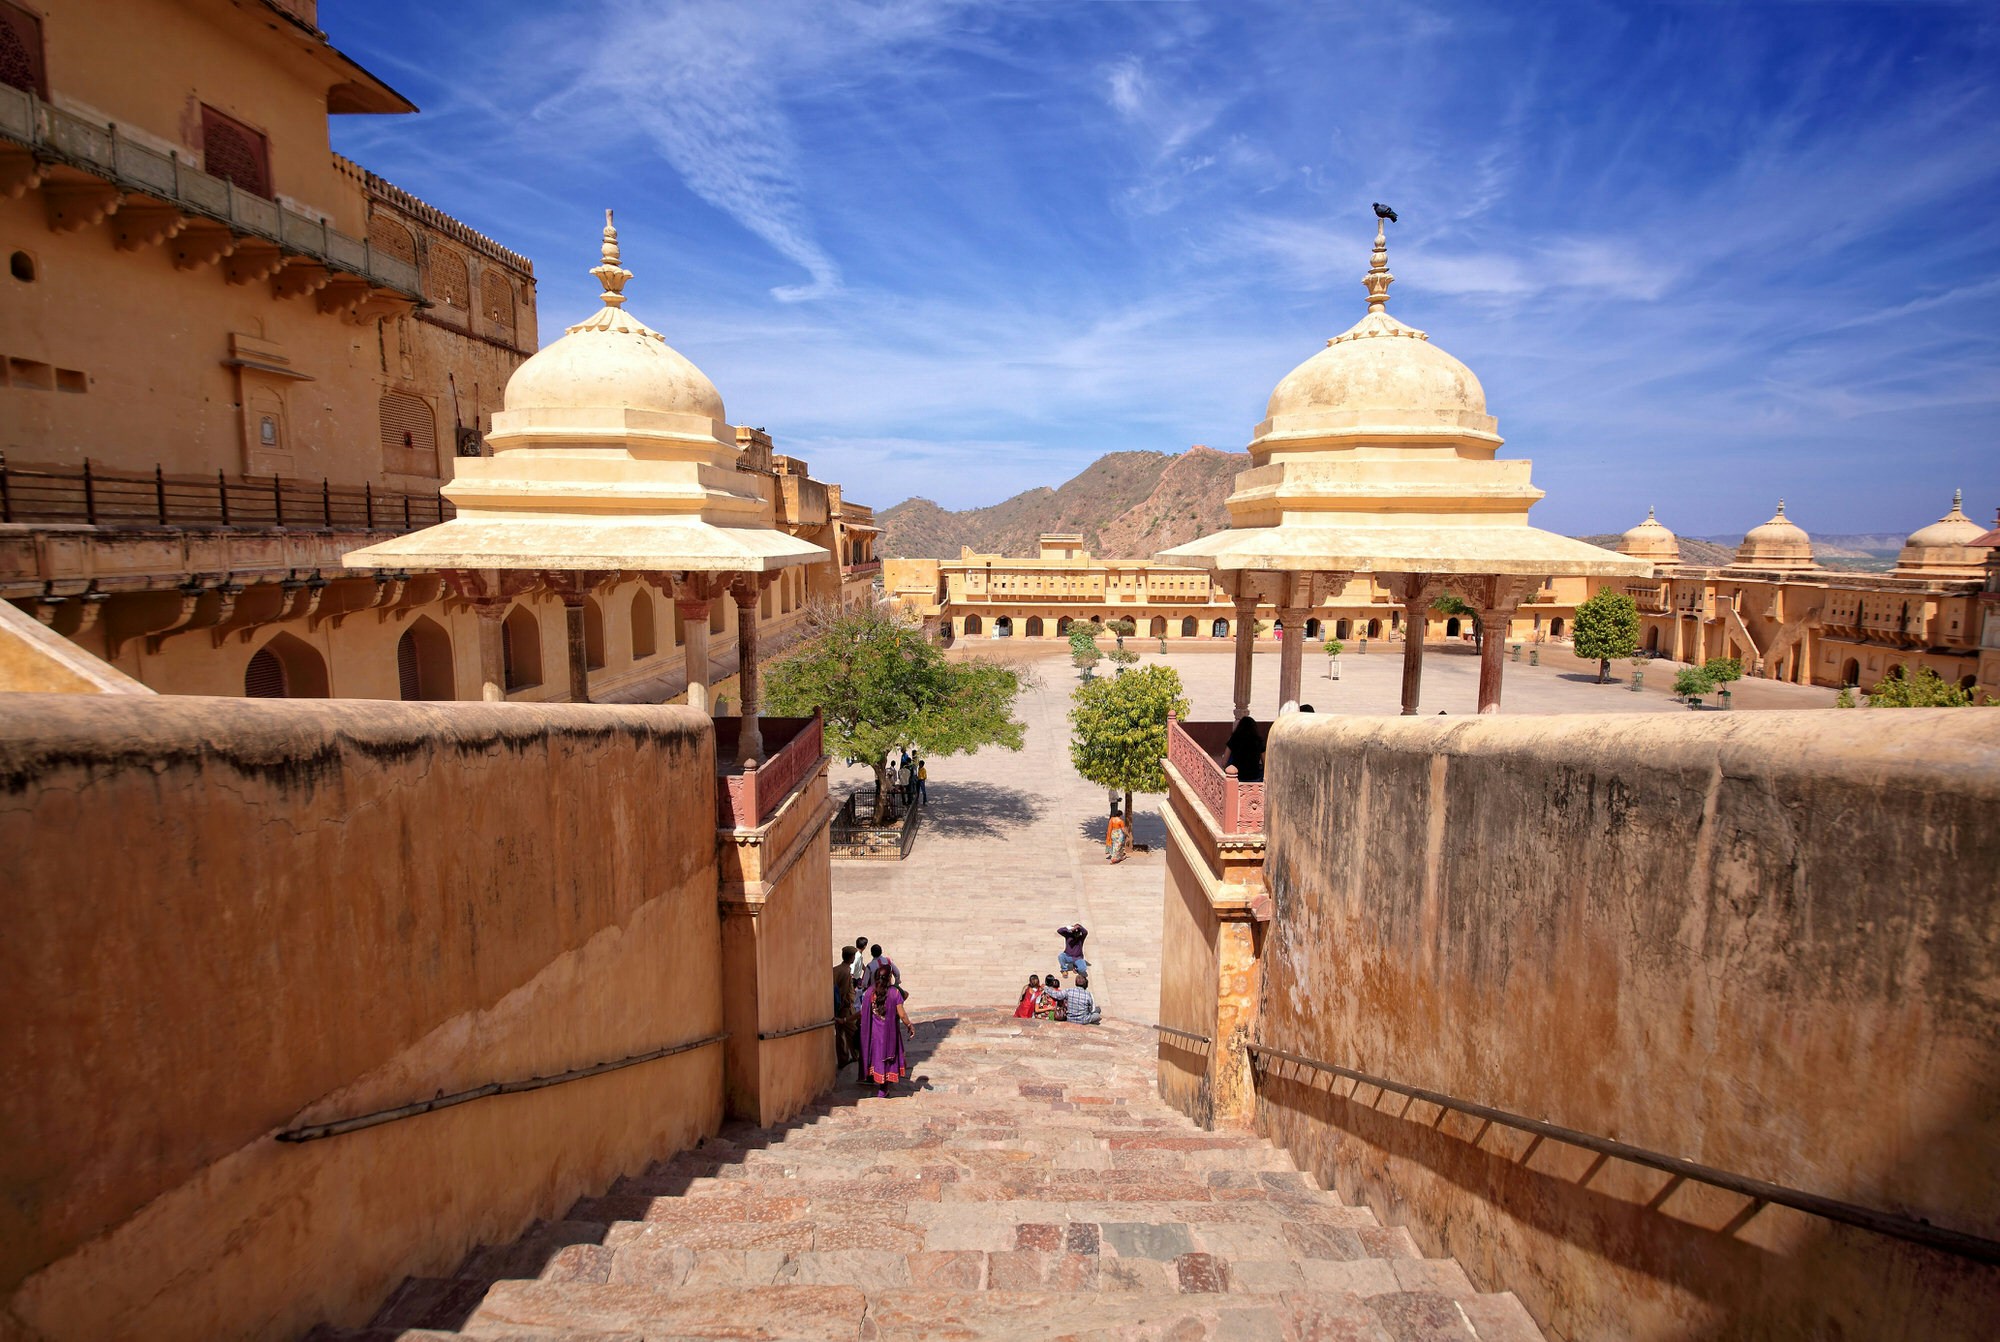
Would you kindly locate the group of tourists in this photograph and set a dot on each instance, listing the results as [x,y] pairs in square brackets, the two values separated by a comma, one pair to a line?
[869,1023]
[909,778]
[1046,999]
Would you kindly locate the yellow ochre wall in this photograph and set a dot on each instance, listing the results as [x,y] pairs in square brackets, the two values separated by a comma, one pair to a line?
[255,918]
[1691,934]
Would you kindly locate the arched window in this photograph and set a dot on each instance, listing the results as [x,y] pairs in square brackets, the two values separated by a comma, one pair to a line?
[1451,627]
[1158,626]
[21,60]
[1220,629]
[521,649]
[1374,629]
[1004,627]
[1189,626]
[447,282]
[390,238]
[1340,629]
[972,625]
[593,634]
[409,435]
[1312,628]
[1062,626]
[286,668]
[1556,627]
[642,624]
[423,661]
[1034,626]
[496,302]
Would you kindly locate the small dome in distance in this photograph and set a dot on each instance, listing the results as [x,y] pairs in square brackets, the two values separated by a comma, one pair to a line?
[1651,540]
[1777,544]
[1945,548]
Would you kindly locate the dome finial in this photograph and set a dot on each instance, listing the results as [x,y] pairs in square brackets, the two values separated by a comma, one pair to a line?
[1378,279]
[608,272]
[1649,513]
[1781,508]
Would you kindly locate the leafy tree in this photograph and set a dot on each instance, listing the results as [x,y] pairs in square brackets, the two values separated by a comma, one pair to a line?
[1691,683]
[1925,689]
[1449,605]
[1332,647]
[1119,730]
[1607,627]
[1845,699]
[1083,635]
[1087,658]
[1722,670]
[881,684]
[1123,657]
[1119,628]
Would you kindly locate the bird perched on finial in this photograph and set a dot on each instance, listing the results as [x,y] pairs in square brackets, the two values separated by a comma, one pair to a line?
[1384,212]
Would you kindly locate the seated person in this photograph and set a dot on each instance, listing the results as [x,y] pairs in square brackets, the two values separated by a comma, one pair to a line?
[1079,1007]
[1031,999]
[1050,1008]
[1246,751]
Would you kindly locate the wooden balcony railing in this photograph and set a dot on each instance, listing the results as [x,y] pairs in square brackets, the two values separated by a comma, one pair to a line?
[1195,750]
[745,798]
[89,496]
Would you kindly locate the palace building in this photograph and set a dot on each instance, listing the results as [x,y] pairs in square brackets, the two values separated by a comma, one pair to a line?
[229,356]
[1788,618]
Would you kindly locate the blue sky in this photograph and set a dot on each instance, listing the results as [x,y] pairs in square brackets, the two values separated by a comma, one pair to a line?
[1700,255]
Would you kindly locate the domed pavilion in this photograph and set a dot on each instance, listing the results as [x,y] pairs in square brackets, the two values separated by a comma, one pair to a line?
[1376,457]
[1651,541]
[613,455]
[1779,545]
[1948,548]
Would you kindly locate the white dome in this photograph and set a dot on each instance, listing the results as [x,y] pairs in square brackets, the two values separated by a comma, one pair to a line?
[1948,547]
[1778,543]
[1651,540]
[1954,528]
[1390,377]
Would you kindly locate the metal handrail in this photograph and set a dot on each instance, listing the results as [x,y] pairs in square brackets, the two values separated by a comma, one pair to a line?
[1184,1034]
[313,1132]
[1881,1222]
[764,1035]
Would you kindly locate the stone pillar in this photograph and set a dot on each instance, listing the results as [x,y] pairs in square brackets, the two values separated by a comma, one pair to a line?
[749,736]
[1232,1084]
[1246,646]
[694,649]
[1492,652]
[492,650]
[1413,653]
[1291,655]
[579,667]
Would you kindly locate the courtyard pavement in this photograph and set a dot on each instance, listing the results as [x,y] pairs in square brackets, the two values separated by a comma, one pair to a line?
[1011,847]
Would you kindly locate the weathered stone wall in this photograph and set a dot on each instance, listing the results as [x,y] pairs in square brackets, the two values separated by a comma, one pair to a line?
[1188,991]
[223,918]
[1769,943]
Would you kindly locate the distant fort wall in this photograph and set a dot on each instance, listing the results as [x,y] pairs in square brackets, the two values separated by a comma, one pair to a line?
[226,919]
[1766,943]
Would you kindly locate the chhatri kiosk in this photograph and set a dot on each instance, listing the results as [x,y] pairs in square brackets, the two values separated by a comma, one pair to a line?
[613,455]
[1377,458]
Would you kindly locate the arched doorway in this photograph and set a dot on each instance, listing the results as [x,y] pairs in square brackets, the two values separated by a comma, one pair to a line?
[1850,672]
[1062,626]
[285,668]
[1003,627]
[1313,629]
[1220,629]
[1189,626]
[1158,627]
[521,649]
[423,661]
[1895,672]
[1034,629]
[1968,683]
[1653,641]
[1451,627]
[1556,627]
[972,624]
[1277,629]
[1340,628]
[1374,629]
[643,642]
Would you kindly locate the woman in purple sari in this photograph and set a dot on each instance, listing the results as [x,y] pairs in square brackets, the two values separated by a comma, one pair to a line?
[883,1025]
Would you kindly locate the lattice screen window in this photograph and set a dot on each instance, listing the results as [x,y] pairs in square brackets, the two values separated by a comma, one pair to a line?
[392,239]
[264,678]
[235,153]
[21,62]
[497,297]
[409,435]
[449,283]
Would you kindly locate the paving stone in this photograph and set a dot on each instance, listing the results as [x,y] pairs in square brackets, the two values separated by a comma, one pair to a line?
[1500,1318]
[1420,1316]
[1360,1277]
[949,1270]
[1323,1241]
[1083,1237]
[1131,1239]
[1202,1272]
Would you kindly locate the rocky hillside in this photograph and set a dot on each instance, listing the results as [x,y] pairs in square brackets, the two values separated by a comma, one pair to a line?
[1126,504]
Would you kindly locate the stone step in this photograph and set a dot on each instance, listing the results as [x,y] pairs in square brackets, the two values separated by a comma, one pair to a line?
[601,1311]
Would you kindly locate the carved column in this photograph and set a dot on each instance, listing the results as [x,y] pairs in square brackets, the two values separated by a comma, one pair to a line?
[694,649]
[575,588]
[750,736]
[1291,654]
[1496,600]
[1415,591]
[1246,646]
[492,650]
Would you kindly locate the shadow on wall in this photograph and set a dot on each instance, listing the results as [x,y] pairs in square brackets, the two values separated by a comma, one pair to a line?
[562,1249]
[1547,1186]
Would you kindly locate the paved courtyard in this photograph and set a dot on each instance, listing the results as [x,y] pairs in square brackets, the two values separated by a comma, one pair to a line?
[1010,847]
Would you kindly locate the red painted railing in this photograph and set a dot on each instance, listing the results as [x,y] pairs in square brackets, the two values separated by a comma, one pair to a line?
[1195,750]
[745,797]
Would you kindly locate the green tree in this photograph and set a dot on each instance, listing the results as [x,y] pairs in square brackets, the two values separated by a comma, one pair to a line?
[1925,689]
[1845,699]
[1122,658]
[881,684]
[1118,730]
[1722,670]
[1332,647]
[1083,635]
[1449,605]
[1607,627]
[1119,628]
[1691,683]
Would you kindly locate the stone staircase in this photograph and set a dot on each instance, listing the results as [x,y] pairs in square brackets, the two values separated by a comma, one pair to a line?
[1035,1187]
